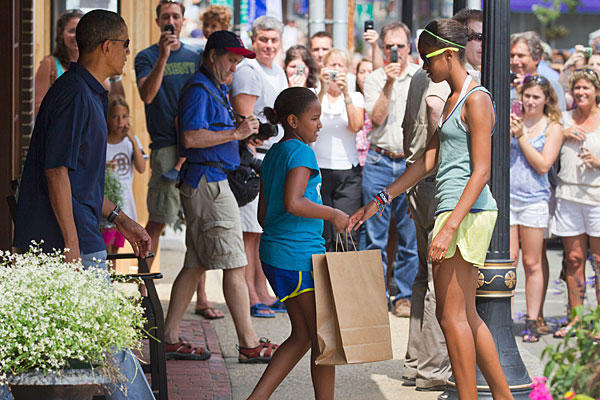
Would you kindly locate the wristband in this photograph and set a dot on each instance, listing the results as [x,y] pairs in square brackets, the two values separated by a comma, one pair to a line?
[348,100]
[381,199]
[114,214]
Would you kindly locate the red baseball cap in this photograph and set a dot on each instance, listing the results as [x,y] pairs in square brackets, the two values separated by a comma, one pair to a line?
[229,41]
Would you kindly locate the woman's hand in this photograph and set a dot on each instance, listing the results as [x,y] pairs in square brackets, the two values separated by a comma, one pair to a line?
[439,245]
[298,80]
[516,126]
[588,158]
[339,220]
[361,215]
[340,81]
[574,133]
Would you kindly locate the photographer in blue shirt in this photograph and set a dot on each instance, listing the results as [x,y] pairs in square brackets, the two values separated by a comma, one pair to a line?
[209,141]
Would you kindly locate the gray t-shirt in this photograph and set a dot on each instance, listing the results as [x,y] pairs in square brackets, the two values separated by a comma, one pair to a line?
[256,79]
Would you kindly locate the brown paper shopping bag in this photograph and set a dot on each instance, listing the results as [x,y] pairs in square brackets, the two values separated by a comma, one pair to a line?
[352,318]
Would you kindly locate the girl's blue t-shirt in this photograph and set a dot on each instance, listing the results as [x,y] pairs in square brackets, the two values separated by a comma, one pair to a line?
[289,241]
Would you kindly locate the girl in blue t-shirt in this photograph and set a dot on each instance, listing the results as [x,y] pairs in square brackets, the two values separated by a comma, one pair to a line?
[291,213]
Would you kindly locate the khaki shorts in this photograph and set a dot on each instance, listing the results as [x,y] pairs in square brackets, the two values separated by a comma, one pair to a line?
[163,196]
[213,229]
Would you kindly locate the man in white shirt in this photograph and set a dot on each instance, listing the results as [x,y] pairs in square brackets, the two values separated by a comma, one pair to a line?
[256,84]
[386,91]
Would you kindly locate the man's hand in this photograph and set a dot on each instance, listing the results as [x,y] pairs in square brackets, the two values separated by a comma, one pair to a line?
[248,127]
[166,43]
[392,71]
[73,254]
[135,234]
[371,36]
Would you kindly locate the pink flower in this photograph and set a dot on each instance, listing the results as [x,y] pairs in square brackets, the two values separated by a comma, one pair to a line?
[540,391]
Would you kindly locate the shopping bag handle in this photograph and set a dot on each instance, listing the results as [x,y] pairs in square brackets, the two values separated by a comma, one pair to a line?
[339,239]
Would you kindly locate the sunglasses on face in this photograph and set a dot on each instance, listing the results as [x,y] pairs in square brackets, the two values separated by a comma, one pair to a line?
[427,56]
[540,80]
[475,36]
[125,42]
[390,46]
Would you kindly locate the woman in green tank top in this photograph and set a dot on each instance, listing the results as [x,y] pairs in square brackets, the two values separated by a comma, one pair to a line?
[466,211]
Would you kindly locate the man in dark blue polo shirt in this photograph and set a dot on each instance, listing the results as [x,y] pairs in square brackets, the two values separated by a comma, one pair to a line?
[61,196]
[209,141]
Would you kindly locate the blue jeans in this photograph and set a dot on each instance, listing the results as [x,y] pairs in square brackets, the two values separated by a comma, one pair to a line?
[379,172]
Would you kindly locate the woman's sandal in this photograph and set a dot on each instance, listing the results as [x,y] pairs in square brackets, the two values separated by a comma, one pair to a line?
[541,326]
[259,354]
[562,332]
[530,335]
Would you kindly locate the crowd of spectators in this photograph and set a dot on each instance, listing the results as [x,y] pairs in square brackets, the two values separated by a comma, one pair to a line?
[377,116]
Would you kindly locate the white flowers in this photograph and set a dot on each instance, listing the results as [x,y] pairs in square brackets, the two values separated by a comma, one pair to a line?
[53,312]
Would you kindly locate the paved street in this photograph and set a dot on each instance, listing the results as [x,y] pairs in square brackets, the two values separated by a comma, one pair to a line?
[366,381]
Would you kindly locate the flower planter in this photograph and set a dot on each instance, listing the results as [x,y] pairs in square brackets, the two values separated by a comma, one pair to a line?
[72,384]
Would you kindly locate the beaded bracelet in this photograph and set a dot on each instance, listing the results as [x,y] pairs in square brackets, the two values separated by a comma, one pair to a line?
[381,199]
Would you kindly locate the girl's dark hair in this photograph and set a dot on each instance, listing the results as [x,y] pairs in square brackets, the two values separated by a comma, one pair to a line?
[60,49]
[299,51]
[449,29]
[364,60]
[294,100]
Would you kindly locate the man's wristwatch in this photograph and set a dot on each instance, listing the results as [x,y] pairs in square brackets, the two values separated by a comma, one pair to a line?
[113,214]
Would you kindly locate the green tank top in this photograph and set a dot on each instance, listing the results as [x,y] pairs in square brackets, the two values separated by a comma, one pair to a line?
[455,162]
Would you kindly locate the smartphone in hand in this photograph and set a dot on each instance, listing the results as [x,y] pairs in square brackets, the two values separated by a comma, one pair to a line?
[394,54]
[170,28]
[517,108]
[369,24]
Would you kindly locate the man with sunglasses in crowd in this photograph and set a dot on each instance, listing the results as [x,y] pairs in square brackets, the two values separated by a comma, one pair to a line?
[161,72]
[473,21]
[525,54]
[63,176]
[386,92]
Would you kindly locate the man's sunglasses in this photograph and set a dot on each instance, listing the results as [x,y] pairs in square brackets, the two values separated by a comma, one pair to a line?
[390,46]
[125,42]
[475,36]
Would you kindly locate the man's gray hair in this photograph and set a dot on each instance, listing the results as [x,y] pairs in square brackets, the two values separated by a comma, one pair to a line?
[266,23]
[532,40]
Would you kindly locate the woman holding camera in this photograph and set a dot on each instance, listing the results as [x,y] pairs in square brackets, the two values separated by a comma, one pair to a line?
[535,145]
[342,116]
[300,67]
[577,216]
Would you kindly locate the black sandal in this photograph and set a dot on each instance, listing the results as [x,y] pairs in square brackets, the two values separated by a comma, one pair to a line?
[530,334]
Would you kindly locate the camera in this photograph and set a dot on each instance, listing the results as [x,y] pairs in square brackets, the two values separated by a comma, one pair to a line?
[587,52]
[265,131]
[247,158]
[394,54]
[369,24]
[300,70]
[512,77]
[332,74]
[170,28]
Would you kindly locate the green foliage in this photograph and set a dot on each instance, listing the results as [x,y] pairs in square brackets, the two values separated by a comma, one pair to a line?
[112,187]
[549,13]
[55,314]
[574,363]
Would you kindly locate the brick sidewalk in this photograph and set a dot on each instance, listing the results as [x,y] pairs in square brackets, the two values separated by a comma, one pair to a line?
[198,380]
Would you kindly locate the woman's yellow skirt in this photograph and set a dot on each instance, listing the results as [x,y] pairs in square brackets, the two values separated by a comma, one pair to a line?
[473,235]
